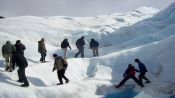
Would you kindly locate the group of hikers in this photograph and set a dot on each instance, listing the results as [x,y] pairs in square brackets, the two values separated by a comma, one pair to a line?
[65,44]
[14,55]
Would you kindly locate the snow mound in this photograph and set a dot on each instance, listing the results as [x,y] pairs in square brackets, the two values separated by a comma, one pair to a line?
[142,33]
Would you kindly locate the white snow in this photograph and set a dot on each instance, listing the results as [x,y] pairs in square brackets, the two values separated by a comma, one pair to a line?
[143,33]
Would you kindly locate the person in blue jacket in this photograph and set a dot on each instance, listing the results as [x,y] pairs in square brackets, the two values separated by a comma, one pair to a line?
[142,70]
[94,46]
[80,45]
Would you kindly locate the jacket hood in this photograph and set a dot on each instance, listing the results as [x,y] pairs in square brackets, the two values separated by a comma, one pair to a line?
[8,43]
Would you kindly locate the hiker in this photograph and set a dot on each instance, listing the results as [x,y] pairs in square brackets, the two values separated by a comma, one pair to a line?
[64,45]
[129,73]
[21,62]
[42,50]
[6,52]
[80,45]
[60,66]
[94,46]
[19,47]
[143,70]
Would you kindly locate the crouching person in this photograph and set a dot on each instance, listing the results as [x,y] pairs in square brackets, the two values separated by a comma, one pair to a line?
[21,62]
[61,68]
[129,73]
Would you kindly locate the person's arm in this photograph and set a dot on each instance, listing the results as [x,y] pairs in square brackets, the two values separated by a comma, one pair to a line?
[137,70]
[53,69]
[68,45]
[23,47]
[126,72]
[97,44]
[83,42]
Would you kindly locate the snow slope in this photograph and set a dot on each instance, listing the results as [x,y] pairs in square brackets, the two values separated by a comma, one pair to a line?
[142,33]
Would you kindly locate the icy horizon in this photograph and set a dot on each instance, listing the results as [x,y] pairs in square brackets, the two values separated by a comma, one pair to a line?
[75,8]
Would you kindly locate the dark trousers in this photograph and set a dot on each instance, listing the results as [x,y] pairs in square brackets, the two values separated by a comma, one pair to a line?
[132,77]
[95,51]
[142,76]
[22,75]
[80,50]
[43,56]
[61,75]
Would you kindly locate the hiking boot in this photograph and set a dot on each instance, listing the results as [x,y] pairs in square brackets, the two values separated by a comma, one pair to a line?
[24,85]
[148,81]
[10,70]
[67,81]
[60,84]
[7,68]
[116,86]
[142,85]
[20,81]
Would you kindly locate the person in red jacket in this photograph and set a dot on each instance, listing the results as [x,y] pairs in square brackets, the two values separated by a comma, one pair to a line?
[129,73]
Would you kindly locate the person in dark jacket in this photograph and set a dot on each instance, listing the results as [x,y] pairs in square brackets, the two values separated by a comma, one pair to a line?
[80,45]
[130,73]
[21,62]
[19,47]
[58,65]
[64,45]
[42,50]
[6,52]
[143,71]
[94,46]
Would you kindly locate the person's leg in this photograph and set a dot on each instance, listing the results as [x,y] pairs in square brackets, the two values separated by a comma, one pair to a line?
[11,67]
[41,59]
[44,57]
[7,62]
[23,76]
[137,81]
[122,82]
[93,50]
[59,77]
[82,52]
[76,55]
[19,75]
[63,75]
[65,52]
[147,80]
[141,75]
[96,50]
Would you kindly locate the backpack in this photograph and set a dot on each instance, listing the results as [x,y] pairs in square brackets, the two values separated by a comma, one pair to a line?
[64,62]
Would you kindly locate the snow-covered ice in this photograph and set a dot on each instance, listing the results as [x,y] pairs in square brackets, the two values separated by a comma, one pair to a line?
[144,33]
